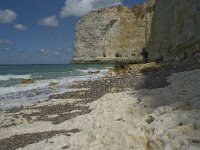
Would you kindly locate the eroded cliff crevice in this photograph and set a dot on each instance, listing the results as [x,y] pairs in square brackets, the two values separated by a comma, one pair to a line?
[170,29]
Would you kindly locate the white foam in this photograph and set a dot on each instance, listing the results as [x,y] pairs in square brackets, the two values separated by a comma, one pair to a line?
[86,71]
[19,94]
[81,70]
[41,84]
[11,76]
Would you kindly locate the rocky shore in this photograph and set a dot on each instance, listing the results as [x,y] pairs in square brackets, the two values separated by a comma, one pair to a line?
[149,109]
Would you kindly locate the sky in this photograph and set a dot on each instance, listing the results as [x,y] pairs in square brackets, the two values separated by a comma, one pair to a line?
[41,31]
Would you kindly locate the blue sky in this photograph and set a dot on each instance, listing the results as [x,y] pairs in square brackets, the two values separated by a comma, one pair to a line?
[41,31]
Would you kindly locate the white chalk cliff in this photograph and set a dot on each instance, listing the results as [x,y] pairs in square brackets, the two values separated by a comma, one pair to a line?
[169,29]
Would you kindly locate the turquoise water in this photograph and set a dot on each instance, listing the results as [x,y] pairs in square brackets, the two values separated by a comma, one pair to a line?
[12,74]
[13,93]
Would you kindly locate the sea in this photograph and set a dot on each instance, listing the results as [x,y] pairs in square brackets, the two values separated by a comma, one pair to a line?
[14,94]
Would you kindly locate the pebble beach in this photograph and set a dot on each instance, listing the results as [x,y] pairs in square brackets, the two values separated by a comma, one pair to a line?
[148,110]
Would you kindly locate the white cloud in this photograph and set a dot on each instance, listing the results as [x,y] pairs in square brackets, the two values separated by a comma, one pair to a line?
[43,50]
[5,41]
[56,53]
[7,16]
[7,49]
[20,27]
[79,8]
[49,21]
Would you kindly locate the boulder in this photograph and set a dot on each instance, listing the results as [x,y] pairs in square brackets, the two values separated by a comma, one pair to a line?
[27,81]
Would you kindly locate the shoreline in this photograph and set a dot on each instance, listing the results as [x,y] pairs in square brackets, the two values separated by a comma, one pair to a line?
[13,92]
[60,111]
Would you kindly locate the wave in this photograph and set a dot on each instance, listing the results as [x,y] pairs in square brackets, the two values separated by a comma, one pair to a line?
[12,76]
[17,94]
[42,84]
[89,70]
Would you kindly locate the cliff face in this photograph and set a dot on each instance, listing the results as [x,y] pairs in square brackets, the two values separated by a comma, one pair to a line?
[112,33]
[175,32]
[170,29]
